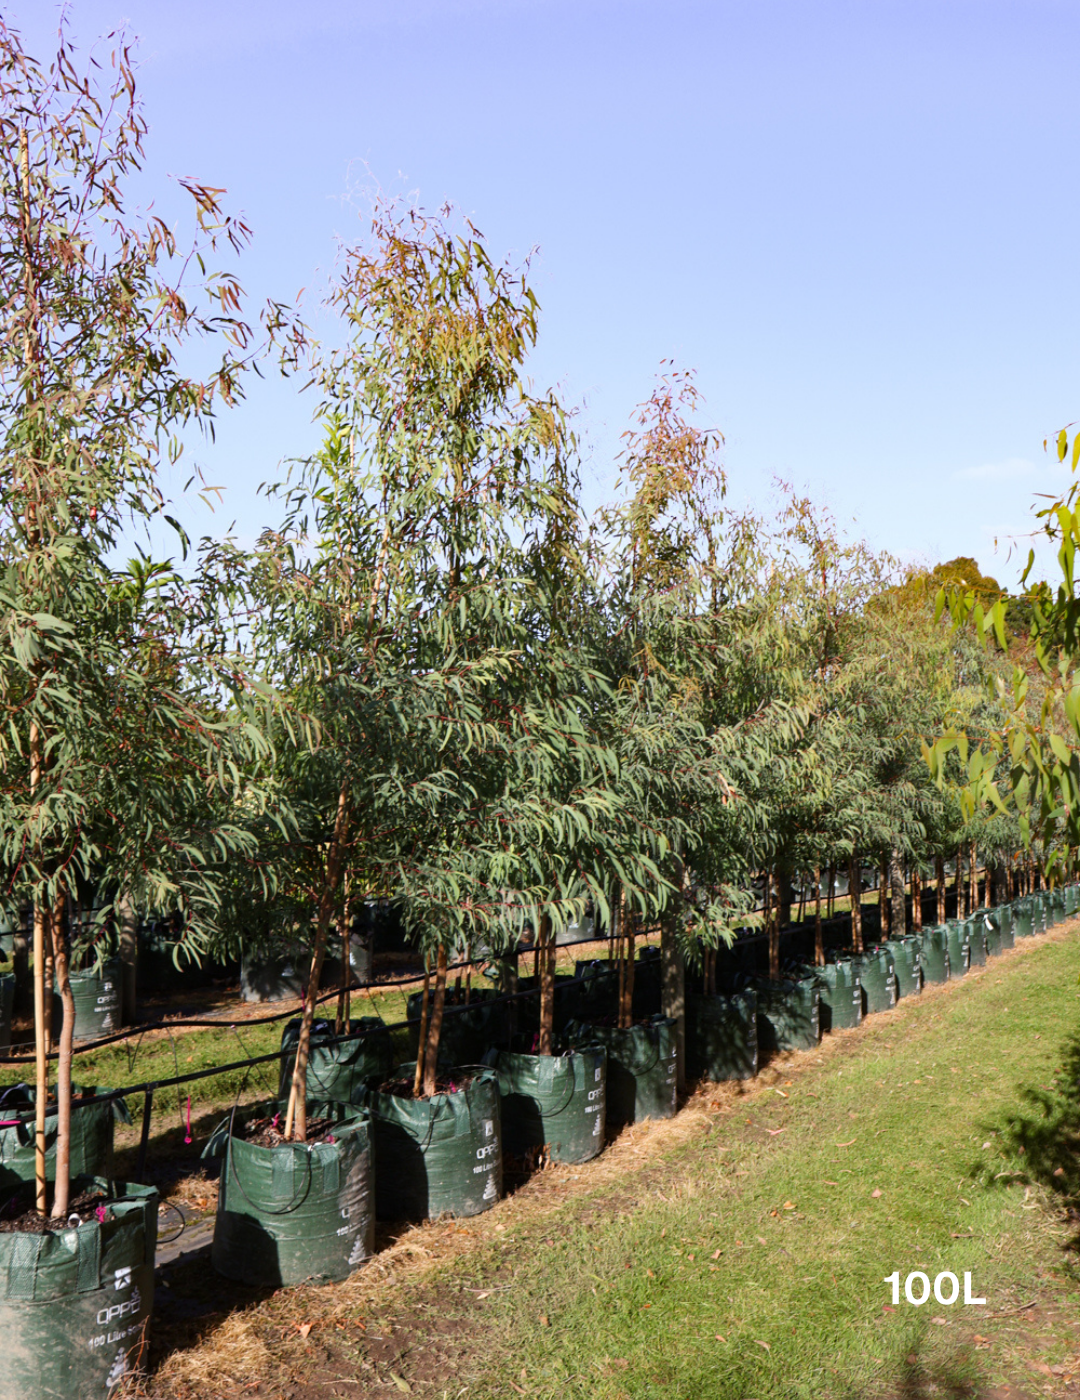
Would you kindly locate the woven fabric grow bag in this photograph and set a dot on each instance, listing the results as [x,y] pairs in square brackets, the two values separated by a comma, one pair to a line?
[1023,918]
[468,1031]
[956,935]
[877,974]
[75,1306]
[7,1001]
[598,994]
[554,1102]
[934,956]
[437,1156]
[91,1134]
[992,931]
[975,931]
[1003,917]
[641,1067]
[1072,900]
[721,1037]
[841,994]
[296,1212]
[789,1015]
[97,1001]
[905,952]
[337,1068]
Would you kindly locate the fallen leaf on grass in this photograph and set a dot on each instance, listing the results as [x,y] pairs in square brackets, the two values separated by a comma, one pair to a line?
[721,1339]
[886,1307]
[780,1092]
[544,1322]
[940,1321]
[717,1253]
[763,1344]
[789,1205]
[846,1144]
[486,1294]
[875,1194]
[832,1183]
[401,1383]
[775,1132]
[969,1236]
[762,1240]
[304,1328]
[1060,1171]
[1042,1368]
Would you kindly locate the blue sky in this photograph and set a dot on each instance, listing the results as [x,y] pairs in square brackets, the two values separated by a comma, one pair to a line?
[856,221]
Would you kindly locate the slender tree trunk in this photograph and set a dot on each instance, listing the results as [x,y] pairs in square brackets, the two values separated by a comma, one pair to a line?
[673,978]
[783,898]
[939,871]
[63,1068]
[296,1115]
[916,899]
[626,982]
[819,950]
[831,896]
[129,953]
[421,1043]
[884,910]
[772,923]
[547,985]
[898,896]
[431,1054]
[987,875]
[41,1064]
[973,880]
[855,899]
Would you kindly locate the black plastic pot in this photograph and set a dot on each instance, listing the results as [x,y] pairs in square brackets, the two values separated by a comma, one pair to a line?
[75,1305]
[295,1212]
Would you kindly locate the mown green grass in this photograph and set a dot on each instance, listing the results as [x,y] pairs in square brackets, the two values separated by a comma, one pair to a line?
[755,1266]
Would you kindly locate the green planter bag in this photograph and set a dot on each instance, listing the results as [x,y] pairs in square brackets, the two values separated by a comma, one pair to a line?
[789,1015]
[337,1068]
[992,932]
[721,1037]
[75,1305]
[97,1001]
[975,932]
[1002,916]
[959,948]
[641,1068]
[554,1102]
[841,994]
[598,995]
[468,1031]
[436,1156]
[934,955]
[1072,899]
[295,1212]
[7,1002]
[877,974]
[1022,918]
[905,952]
[91,1135]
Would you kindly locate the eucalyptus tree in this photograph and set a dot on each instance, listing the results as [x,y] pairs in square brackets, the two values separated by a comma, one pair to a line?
[404,611]
[109,741]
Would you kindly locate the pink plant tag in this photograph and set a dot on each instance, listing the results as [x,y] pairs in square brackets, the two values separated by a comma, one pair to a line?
[187,1137]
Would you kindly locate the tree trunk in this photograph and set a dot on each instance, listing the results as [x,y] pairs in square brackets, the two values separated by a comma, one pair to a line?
[855,899]
[341,1022]
[296,1115]
[673,991]
[63,1068]
[884,908]
[431,1051]
[626,1005]
[987,892]
[421,1041]
[773,931]
[41,1064]
[783,898]
[939,871]
[830,899]
[819,950]
[916,899]
[898,896]
[129,953]
[547,985]
[973,880]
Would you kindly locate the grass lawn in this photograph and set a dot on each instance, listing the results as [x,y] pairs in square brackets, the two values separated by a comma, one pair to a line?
[740,1250]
